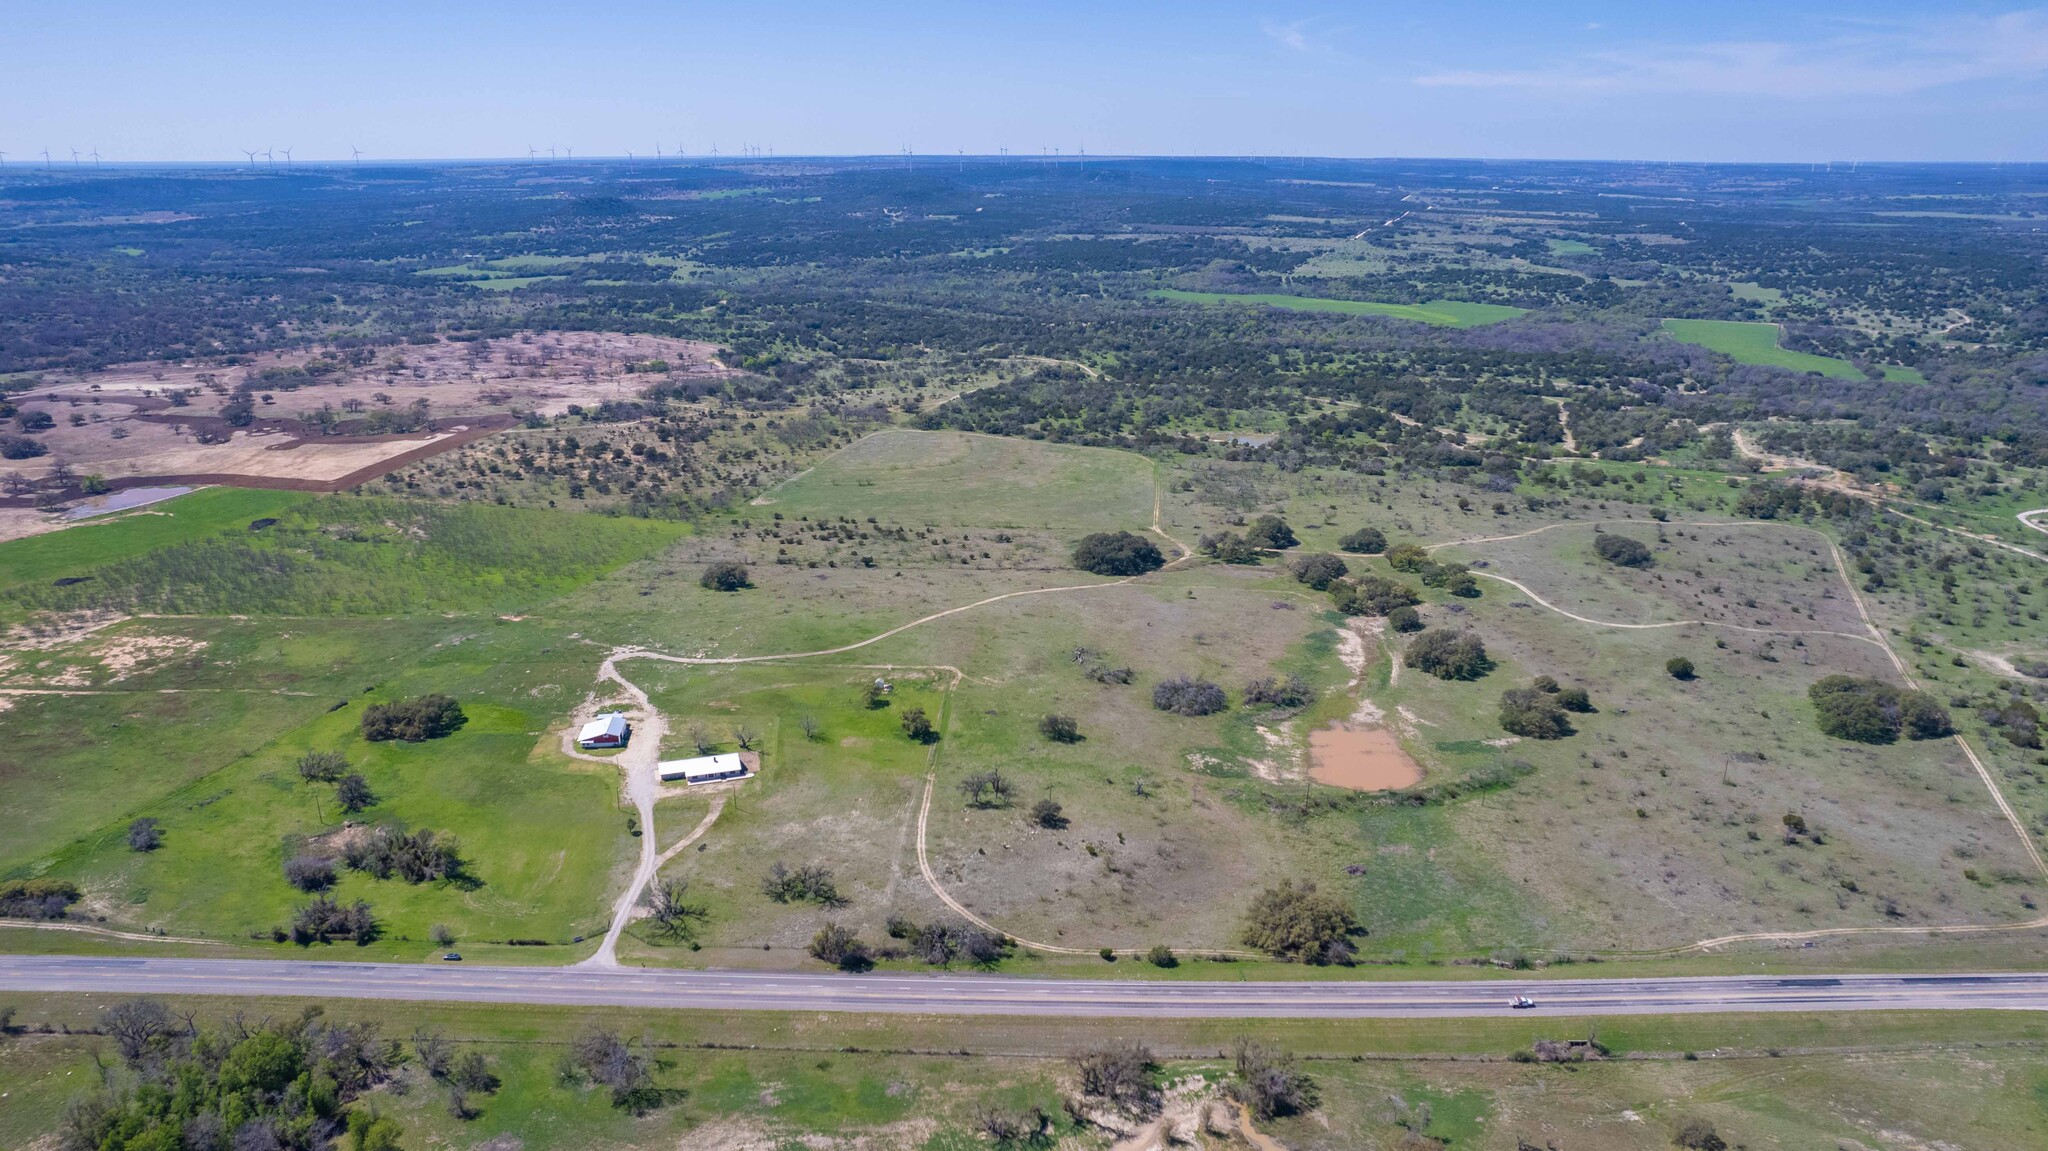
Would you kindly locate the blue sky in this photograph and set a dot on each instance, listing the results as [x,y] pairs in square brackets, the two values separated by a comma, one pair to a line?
[1733,80]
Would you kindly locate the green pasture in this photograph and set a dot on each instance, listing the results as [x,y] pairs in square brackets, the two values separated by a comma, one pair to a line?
[955,478]
[1750,342]
[338,555]
[1444,313]
[91,543]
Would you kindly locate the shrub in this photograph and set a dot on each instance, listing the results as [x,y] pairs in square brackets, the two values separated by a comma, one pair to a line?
[323,920]
[1575,699]
[917,725]
[413,720]
[145,834]
[1364,541]
[1270,532]
[421,856]
[36,898]
[1117,554]
[841,948]
[21,448]
[1679,667]
[322,766]
[1048,814]
[353,793]
[1320,571]
[1228,547]
[1448,654]
[988,788]
[1529,712]
[1697,1134]
[1622,551]
[1298,923]
[809,882]
[1060,728]
[1372,594]
[1406,557]
[1294,691]
[1872,711]
[1162,956]
[1120,1075]
[1183,696]
[724,577]
[1404,619]
[309,872]
[1271,1084]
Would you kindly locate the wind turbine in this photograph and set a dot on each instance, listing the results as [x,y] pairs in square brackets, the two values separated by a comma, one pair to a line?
[95,154]
[74,158]
[530,153]
[271,159]
[551,152]
[568,152]
[629,158]
[355,154]
[287,158]
[3,159]
[251,153]
[47,166]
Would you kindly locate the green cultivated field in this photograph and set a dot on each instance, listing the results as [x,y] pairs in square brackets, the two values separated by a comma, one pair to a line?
[1748,342]
[1444,313]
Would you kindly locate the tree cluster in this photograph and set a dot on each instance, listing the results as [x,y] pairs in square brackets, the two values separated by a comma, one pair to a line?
[421,856]
[940,943]
[1448,653]
[1622,551]
[1117,554]
[1870,710]
[412,720]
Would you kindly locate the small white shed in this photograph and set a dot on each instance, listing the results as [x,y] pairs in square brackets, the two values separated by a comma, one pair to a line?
[704,768]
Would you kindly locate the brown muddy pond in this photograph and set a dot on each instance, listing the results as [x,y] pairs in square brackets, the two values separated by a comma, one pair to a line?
[1360,759]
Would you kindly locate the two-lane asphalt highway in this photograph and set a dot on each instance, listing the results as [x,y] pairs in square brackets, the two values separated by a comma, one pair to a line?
[998,995]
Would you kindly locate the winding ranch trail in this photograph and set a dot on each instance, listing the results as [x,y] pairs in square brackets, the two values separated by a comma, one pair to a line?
[643,782]
[640,759]
[1876,637]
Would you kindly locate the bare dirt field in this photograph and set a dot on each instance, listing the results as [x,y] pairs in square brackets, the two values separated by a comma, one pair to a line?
[325,418]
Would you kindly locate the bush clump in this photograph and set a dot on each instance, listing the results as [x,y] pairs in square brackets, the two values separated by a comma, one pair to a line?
[36,898]
[1679,668]
[1364,541]
[1270,532]
[1060,728]
[413,720]
[1372,594]
[1623,551]
[840,947]
[1229,547]
[1533,714]
[724,577]
[1870,710]
[1117,554]
[1296,922]
[1404,620]
[1183,696]
[1448,653]
[1320,571]
[1293,691]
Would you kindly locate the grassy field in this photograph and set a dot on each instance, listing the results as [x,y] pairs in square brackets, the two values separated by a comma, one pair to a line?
[207,512]
[1444,313]
[351,555]
[953,478]
[752,1079]
[1748,342]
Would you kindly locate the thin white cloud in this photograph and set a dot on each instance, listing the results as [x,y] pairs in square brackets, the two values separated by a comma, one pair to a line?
[1890,60]
[1292,36]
